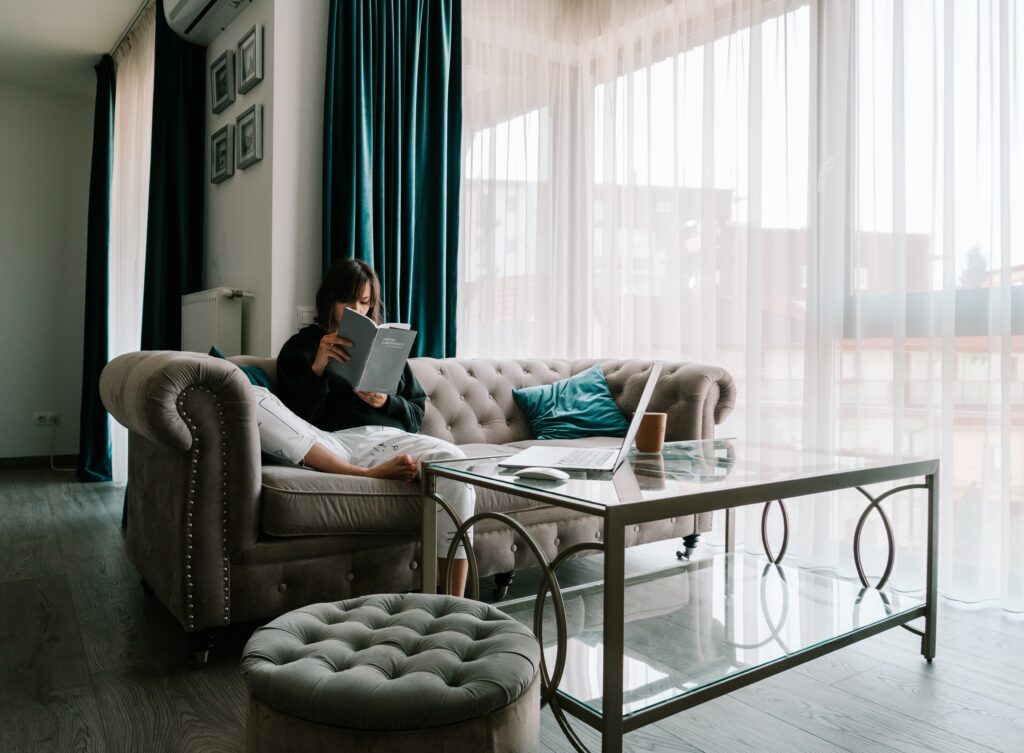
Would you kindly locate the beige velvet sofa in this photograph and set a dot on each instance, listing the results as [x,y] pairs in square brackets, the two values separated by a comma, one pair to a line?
[221,537]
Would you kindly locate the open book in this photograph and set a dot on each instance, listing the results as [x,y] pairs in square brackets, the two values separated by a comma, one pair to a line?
[378,353]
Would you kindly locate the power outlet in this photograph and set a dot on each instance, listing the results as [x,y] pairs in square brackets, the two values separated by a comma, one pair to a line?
[305,315]
[46,418]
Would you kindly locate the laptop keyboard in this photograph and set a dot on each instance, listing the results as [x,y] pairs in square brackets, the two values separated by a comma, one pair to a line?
[585,457]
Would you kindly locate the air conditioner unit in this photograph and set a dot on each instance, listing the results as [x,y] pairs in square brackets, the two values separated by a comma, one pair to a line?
[199,21]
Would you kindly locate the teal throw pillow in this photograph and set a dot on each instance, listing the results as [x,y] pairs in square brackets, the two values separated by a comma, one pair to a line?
[257,376]
[580,406]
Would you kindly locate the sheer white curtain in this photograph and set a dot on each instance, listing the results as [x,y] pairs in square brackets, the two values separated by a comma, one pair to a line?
[616,179]
[930,360]
[129,202]
[823,197]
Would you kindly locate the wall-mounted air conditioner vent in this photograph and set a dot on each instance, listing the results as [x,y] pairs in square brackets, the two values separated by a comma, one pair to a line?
[199,21]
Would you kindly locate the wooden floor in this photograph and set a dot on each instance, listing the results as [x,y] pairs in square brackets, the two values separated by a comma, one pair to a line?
[88,663]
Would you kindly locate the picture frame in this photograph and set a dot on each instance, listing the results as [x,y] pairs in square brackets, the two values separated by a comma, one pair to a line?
[222,157]
[222,81]
[250,59]
[249,141]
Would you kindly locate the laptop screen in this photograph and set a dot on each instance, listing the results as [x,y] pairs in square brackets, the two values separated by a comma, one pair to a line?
[641,408]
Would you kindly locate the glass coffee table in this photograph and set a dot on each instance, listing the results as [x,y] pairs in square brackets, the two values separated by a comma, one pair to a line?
[621,654]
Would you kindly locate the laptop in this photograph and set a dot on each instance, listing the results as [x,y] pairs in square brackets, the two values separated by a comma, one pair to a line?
[627,488]
[586,458]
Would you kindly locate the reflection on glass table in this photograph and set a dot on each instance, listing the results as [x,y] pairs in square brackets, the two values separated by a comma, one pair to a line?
[697,462]
[712,619]
[687,468]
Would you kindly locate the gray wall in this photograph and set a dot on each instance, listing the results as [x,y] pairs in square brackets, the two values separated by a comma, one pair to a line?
[263,224]
[45,149]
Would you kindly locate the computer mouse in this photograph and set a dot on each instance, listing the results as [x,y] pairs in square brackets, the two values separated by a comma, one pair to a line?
[545,474]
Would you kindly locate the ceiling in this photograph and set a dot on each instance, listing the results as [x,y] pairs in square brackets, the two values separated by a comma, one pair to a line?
[54,44]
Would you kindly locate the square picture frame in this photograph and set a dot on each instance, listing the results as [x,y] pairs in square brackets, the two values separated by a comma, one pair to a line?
[222,156]
[249,137]
[250,59]
[222,81]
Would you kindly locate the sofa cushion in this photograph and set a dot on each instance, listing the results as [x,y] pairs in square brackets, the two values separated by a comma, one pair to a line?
[267,365]
[255,374]
[485,450]
[580,406]
[302,502]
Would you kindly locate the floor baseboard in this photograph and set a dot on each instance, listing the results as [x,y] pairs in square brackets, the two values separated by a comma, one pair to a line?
[39,461]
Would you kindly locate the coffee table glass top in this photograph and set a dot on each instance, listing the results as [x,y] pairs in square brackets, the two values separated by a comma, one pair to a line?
[683,468]
[695,625]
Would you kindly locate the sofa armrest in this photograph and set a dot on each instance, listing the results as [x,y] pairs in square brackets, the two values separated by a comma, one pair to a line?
[142,391]
[695,397]
[194,474]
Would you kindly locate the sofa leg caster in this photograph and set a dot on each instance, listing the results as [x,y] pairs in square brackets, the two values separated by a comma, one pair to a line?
[689,544]
[501,583]
[199,645]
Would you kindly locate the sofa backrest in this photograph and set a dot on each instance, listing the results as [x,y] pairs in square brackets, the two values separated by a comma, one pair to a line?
[269,365]
[470,400]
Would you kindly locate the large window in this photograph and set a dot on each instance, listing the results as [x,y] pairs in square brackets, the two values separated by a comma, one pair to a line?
[823,197]
[653,167]
[933,143]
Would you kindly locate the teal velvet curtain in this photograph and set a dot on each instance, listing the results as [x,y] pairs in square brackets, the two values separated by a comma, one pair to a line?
[392,136]
[174,236]
[94,424]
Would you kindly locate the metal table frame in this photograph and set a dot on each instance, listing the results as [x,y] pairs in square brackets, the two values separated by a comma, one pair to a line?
[613,724]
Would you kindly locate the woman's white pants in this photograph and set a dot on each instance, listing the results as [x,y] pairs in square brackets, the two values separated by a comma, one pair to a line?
[286,436]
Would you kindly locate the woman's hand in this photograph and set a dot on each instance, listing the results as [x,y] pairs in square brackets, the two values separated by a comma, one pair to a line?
[332,348]
[400,467]
[376,399]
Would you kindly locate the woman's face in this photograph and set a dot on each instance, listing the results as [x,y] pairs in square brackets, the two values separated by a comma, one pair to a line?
[361,304]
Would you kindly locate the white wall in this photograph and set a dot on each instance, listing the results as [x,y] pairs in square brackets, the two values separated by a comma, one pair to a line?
[263,224]
[262,232]
[300,30]
[45,152]
[238,210]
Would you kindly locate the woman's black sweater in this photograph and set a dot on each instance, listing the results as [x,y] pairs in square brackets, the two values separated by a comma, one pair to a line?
[329,402]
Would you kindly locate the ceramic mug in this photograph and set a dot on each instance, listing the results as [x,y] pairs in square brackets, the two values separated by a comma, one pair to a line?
[650,437]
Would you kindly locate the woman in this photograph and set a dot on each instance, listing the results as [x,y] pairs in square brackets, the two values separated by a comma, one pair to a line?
[356,433]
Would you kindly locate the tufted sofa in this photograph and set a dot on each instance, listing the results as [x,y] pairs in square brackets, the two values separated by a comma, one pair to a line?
[220,537]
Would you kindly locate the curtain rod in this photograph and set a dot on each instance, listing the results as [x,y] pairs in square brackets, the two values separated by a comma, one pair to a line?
[128,28]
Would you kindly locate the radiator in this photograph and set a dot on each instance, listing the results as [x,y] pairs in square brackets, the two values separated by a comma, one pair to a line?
[213,317]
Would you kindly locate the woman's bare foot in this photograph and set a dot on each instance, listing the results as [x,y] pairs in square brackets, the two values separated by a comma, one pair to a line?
[400,467]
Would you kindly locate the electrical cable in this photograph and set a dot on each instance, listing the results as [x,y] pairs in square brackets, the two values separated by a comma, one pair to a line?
[53,441]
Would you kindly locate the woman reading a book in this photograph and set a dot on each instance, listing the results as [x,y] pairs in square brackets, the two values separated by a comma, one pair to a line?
[333,428]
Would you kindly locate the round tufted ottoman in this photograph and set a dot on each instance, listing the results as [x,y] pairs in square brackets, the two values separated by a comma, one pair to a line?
[393,672]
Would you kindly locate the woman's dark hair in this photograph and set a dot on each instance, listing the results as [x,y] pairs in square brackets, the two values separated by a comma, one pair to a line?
[343,283]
